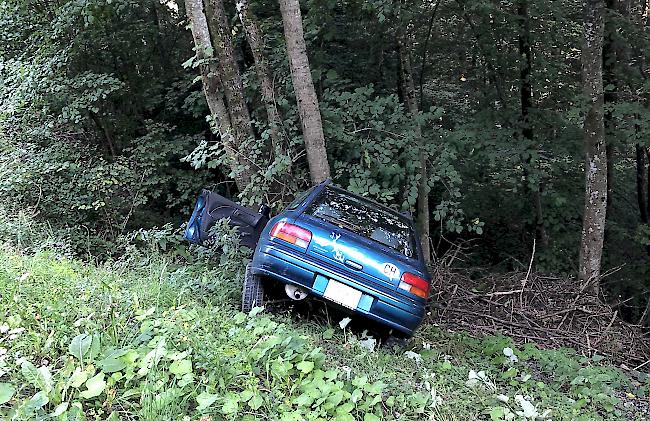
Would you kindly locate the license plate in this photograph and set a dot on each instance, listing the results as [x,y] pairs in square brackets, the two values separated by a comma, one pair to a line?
[342,294]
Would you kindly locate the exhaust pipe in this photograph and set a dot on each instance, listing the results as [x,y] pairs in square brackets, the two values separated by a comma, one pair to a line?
[295,292]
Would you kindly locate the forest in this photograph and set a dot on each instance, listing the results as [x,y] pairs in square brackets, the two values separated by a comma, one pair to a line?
[511,130]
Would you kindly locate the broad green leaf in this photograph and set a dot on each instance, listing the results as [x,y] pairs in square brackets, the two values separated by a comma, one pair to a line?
[111,365]
[180,367]
[246,395]
[370,417]
[305,366]
[328,334]
[230,405]
[40,377]
[496,413]
[80,345]
[30,373]
[95,385]
[60,409]
[45,379]
[6,392]
[205,400]
[256,402]
[78,378]
[37,401]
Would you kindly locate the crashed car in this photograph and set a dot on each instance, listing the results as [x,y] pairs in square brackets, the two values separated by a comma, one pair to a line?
[343,248]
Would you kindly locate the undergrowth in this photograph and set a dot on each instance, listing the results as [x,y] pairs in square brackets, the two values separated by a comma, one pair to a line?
[146,337]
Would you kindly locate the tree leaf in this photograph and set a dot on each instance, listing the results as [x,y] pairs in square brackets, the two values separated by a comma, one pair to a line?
[80,345]
[6,392]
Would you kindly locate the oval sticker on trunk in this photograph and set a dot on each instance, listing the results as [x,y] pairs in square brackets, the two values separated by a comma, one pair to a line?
[391,271]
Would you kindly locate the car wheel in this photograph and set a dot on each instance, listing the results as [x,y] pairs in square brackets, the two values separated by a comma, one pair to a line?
[253,291]
[396,341]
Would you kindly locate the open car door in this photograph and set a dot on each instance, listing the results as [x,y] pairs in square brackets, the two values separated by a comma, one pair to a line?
[211,207]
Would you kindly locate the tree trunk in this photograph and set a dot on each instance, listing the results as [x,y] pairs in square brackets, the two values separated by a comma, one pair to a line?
[212,88]
[642,184]
[408,87]
[593,227]
[234,90]
[526,94]
[108,137]
[256,41]
[303,85]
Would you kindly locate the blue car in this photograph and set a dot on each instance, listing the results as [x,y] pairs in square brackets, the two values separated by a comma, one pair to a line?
[347,250]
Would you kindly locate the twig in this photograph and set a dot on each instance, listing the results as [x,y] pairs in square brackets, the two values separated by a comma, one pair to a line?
[530,267]
[641,365]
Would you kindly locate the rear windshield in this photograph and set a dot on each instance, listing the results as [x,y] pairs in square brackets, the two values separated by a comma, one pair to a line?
[365,218]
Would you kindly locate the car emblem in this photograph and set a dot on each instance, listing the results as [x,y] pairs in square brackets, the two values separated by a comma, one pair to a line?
[391,271]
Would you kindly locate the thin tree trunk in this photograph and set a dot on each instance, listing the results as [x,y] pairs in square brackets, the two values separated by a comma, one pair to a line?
[425,52]
[593,227]
[423,186]
[264,74]
[526,94]
[642,184]
[610,58]
[303,85]
[212,88]
[108,137]
[233,88]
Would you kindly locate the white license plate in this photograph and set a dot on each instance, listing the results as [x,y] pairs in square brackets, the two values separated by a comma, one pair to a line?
[342,294]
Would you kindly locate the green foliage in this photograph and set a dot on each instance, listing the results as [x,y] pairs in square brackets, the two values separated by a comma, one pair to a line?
[167,347]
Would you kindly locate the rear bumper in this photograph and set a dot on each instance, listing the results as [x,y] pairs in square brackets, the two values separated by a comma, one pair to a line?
[282,263]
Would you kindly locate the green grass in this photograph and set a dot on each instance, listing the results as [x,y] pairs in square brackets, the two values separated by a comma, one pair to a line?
[145,338]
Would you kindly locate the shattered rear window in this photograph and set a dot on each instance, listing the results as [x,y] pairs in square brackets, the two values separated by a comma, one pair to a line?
[364,218]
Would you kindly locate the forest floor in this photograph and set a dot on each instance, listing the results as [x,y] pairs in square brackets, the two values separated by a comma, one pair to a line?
[148,338]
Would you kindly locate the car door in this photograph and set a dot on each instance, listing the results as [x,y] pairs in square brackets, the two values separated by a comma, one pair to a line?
[211,207]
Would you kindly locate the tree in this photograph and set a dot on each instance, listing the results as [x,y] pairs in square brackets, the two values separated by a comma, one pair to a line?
[526,94]
[303,85]
[595,207]
[234,92]
[408,88]
[212,87]
[255,39]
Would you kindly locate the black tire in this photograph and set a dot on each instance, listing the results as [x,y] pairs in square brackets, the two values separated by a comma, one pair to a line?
[253,291]
[396,341]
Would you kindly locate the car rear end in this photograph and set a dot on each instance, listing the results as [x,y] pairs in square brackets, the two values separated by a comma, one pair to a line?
[349,251]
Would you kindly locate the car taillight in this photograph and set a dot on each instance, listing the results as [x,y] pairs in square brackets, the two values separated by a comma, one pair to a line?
[291,233]
[415,285]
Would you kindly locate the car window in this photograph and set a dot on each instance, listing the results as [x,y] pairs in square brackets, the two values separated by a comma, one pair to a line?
[300,198]
[365,218]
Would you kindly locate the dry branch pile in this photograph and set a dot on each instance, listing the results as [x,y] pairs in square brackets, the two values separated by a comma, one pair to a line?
[549,311]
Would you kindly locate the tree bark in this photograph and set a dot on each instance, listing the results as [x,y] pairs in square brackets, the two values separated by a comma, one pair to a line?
[212,87]
[234,90]
[526,96]
[255,39]
[642,184]
[408,88]
[303,85]
[595,208]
